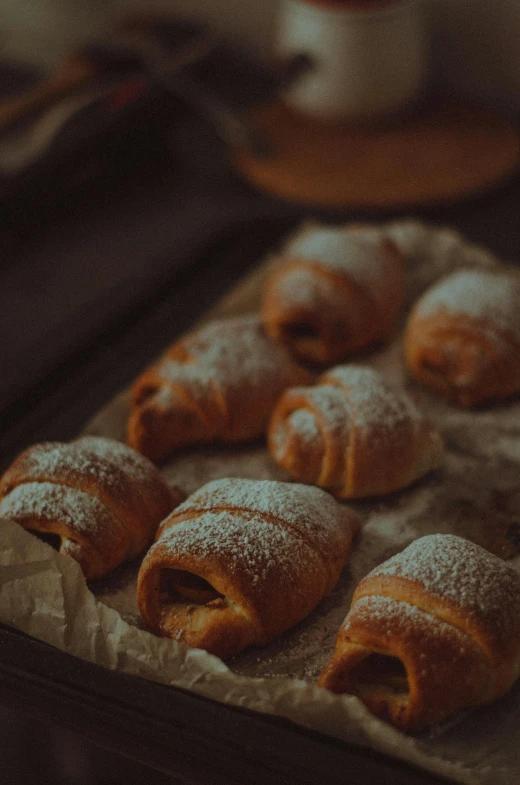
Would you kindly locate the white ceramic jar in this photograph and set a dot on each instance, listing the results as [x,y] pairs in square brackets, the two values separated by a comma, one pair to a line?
[368,62]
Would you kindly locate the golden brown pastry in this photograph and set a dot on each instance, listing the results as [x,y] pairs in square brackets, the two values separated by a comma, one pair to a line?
[430,631]
[353,434]
[334,292]
[241,561]
[101,498]
[463,337]
[218,384]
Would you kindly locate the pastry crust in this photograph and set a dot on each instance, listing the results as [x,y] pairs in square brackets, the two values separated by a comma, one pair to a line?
[353,434]
[100,497]
[333,292]
[463,337]
[241,561]
[430,631]
[218,384]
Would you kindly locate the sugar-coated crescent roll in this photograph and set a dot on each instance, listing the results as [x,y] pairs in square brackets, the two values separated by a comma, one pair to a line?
[100,497]
[353,434]
[241,561]
[333,292]
[463,337]
[218,384]
[432,630]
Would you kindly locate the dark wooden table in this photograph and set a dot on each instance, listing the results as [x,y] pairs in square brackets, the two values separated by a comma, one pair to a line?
[94,281]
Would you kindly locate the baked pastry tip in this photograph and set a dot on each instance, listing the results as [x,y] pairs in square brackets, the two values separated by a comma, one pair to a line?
[217,384]
[334,292]
[353,434]
[102,500]
[462,338]
[433,630]
[241,561]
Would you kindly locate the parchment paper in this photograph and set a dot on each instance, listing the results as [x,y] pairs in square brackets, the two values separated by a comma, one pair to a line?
[475,494]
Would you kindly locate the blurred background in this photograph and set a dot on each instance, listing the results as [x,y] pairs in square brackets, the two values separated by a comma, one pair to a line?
[474,42]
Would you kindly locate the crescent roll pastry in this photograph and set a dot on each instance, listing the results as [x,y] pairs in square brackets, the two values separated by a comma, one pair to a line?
[100,497]
[218,384]
[241,561]
[430,631]
[334,292]
[463,337]
[353,434]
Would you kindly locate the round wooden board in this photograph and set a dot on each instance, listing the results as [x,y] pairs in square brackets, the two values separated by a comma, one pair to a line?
[443,151]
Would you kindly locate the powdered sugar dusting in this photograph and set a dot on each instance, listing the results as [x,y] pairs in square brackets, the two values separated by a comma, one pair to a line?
[331,404]
[50,458]
[362,256]
[191,469]
[373,403]
[246,541]
[308,510]
[302,288]
[304,422]
[482,295]
[228,352]
[122,478]
[95,459]
[382,613]
[45,501]
[303,651]
[452,567]
[389,621]
[136,466]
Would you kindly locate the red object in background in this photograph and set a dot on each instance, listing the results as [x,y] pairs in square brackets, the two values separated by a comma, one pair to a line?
[355,5]
[127,93]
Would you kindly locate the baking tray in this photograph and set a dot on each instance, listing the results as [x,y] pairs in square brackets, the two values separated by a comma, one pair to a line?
[166,728]
[179,733]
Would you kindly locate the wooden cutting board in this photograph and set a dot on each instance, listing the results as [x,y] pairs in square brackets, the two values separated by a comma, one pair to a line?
[444,151]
